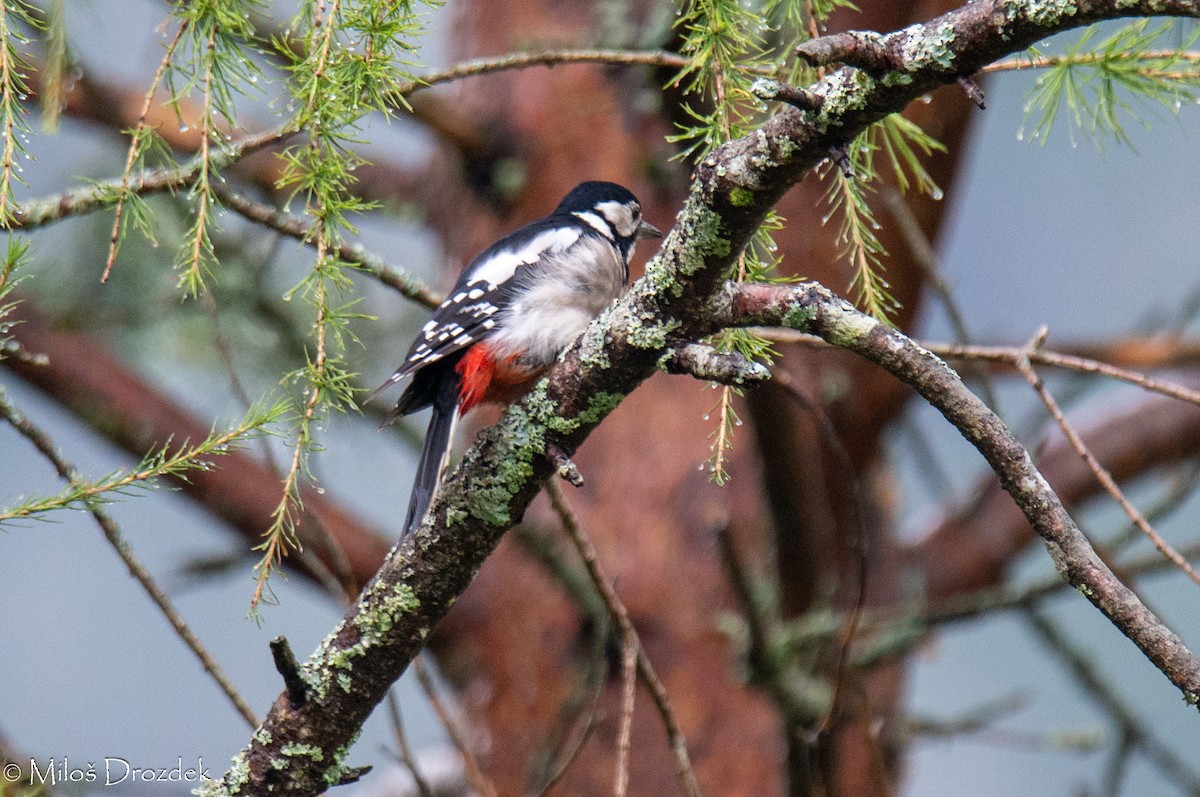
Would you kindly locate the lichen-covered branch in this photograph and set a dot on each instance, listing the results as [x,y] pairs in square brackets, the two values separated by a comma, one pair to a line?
[302,750]
[40,212]
[713,365]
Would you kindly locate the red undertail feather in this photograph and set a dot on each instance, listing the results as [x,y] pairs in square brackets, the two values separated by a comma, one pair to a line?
[475,369]
[483,378]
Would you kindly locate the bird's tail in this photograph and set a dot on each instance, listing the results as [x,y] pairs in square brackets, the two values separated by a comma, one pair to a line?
[433,456]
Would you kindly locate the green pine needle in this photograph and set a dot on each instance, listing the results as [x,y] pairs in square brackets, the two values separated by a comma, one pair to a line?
[1137,71]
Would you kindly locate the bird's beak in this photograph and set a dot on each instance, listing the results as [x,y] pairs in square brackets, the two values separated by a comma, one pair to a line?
[648,230]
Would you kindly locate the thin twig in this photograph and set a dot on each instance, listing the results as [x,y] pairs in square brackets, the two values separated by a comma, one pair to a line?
[303,230]
[630,645]
[925,256]
[487,66]
[1102,475]
[629,656]
[1072,552]
[1024,62]
[112,532]
[404,752]
[35,213]
[479,782]
[573,752]
[1182,486]
[616,608]
[1011,356]
[1086,674]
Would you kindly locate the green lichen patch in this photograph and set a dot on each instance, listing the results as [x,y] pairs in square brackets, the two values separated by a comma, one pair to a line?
[592,350]
[851,328]
[382,610]
[334,773]
[296,750]
[740,197]
[799,317]
[844,91]
[921,47]
[703,236]
[600,405]
[651,333]
[509,466]
[1046,13]
[237,777]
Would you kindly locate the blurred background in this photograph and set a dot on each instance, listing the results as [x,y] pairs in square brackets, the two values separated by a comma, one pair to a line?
[1099,243]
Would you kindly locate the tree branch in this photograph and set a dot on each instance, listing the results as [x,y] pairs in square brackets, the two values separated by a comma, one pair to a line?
[683,295]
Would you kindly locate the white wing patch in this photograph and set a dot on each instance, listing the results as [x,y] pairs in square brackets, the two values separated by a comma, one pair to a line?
[458,322]
[499,268]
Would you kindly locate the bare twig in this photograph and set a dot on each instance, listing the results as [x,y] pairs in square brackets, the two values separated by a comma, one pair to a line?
[479,781]
[403,751]
[1014,355]
[1125,718]
[486,66]
[47,210]
[1011,355]
[630,646]
[304,230]
[1102,475]
[925,256]
[1070,549]
[629,636]
[285,665]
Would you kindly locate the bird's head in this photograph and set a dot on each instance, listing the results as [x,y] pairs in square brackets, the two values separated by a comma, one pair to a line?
[612,210]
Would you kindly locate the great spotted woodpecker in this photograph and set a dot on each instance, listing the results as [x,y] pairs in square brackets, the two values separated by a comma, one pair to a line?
[514,308]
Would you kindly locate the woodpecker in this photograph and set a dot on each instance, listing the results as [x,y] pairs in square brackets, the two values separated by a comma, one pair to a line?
[513,310]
